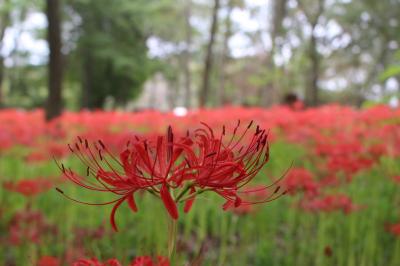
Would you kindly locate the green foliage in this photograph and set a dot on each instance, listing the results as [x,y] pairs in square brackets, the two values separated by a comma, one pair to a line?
[106,54]
[111,52]
[392,70]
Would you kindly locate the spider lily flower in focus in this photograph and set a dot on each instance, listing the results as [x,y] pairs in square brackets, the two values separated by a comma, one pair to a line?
[177,169]
[225,164]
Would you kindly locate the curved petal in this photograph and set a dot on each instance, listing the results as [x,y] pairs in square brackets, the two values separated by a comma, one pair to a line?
[169,202]
[132,203]
[112,216]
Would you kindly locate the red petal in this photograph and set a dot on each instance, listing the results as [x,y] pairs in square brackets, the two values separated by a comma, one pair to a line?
[178,151]
[168,202]
[124,157]
[227,205]
[112,216]
[132,203]
[238,201]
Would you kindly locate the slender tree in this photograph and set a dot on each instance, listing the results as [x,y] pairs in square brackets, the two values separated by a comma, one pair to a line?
[209,56]
[225,53]
[313,16]
[54,100]
[4,22]
[270,94]
[187,54]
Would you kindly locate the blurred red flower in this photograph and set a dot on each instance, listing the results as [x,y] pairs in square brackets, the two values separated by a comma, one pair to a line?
[396,179]
[95,262]
[29,225]
[49,261]
[190,165]
[148,261]
[394,229]
[138,261]
[300,179]
[46,151]
[29,187]
[330,203]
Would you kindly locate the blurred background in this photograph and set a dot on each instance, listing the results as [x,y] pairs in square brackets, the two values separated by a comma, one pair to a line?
[148,54]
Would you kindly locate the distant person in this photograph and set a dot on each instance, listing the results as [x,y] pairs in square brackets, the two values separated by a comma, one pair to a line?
[292,101]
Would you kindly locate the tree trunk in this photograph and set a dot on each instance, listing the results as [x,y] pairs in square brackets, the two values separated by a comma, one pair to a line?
[4,22]
[1,81]
[270,95]
[208,58]
[187,54]
[54,100]
[313,98]
[225,54]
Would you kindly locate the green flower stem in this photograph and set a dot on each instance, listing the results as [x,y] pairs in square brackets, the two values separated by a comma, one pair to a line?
[198,192]
[183,191]
[172,234]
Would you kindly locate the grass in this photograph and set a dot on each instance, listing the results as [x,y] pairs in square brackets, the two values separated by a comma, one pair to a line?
[277,233]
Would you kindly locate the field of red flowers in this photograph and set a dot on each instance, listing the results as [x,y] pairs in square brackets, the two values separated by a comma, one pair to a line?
[339,206]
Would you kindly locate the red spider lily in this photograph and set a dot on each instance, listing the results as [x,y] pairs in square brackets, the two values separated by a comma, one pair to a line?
[148,261]
[259,194]
[329,180]
[138,261]
[143,165]
[29,187]
[95,262]
[36,156]
[28,225]
[300,179]
[330,203]
[394,229]
[49,261]
[82,235]
[42,154]
[377,150]
[224,164]
[396,179]
[189,165]
[348,164]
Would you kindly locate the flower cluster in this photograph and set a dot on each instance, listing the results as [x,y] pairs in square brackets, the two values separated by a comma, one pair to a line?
[330,203]
[49,261]
[138,261]
[177,169]
[394,229]
[29,226]
[300,179]
[29,187]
